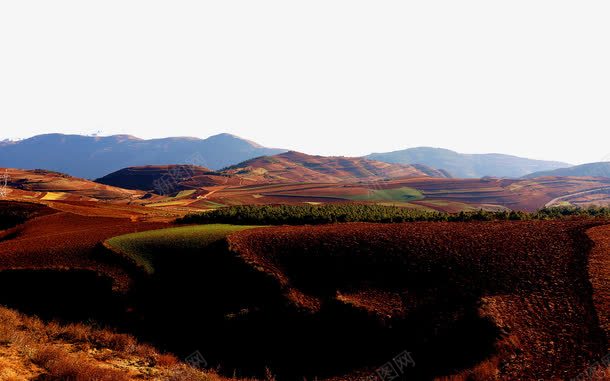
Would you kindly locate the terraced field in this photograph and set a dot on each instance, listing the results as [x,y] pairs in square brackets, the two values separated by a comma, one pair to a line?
[450,195]
[149,248]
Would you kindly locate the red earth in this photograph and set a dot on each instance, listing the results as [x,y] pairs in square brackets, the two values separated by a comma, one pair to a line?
[295,166]
[66,241]
[529,278]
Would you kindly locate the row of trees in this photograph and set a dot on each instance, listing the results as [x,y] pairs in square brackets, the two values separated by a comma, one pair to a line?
[333,213]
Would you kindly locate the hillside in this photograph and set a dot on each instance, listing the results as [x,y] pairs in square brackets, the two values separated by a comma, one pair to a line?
[299,167]
[476,301]
[468,165]
[167,179]
[92,157]
[36,350]
[586,170]
[53,186]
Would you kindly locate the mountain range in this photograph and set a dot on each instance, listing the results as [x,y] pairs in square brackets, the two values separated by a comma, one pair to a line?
[94,157]
[469,165]
[282,168]
[601,169]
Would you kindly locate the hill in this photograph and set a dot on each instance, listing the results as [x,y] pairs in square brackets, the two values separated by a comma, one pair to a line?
[468,165]
[167,179]
[586,170]
[295,166]
[485,300]
[92,157]
[36,350]
[53,186]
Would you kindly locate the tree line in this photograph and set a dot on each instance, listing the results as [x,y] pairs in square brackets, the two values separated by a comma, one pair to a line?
[335,213]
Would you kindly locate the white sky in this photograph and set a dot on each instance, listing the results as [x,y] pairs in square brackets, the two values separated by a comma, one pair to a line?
[351,77]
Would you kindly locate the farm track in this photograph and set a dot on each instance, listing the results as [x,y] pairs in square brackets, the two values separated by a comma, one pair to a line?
[577,194]
[66,241]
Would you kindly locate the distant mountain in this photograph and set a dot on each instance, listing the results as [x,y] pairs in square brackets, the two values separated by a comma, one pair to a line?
[586,170]
[167,179]
[468,165]
[92,157]
[299,167]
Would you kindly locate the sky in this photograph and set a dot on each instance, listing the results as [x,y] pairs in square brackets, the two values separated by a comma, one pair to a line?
[530,78]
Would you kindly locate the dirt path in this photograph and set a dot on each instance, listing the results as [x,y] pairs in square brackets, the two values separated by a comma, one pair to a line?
[567,196]
[205,196]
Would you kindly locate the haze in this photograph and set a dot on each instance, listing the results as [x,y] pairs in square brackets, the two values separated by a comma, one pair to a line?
[322,77]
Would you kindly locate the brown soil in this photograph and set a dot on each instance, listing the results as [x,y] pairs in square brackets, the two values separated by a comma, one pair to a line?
[599,273]
[529,278]
[65,241]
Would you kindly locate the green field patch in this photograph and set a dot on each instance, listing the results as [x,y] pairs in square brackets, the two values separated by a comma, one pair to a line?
[168,203]
[148,249]
[185,193]
[462,191]
[407,205]
[404,194]
[213,204]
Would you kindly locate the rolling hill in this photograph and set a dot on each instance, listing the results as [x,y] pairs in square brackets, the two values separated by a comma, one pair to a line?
[299,167]
[601,169]
[54,186]
[468,165]
[92,157]
[167,179]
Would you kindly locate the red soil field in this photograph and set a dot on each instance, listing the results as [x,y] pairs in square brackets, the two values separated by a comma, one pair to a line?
[599,273]
[450,195]
[530,279]
[39,181]
[66,241]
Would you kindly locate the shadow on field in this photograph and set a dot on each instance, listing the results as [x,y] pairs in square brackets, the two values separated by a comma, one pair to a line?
[238,319]
[72,295]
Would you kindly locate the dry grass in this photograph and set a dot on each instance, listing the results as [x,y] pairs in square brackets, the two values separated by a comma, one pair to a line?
[61,364]
[33,349]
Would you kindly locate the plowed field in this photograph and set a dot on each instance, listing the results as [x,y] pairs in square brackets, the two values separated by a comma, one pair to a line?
[65,241]
[529,278]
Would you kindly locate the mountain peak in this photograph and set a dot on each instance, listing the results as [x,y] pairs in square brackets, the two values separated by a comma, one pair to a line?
[230,138]
[95,156]
[468,165]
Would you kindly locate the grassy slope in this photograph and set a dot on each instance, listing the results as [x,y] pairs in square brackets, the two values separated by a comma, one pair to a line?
[145,247]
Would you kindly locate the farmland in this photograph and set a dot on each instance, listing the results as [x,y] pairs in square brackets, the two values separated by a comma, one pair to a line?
[437,194]
[67,241]
[145,248]
[529,288]
[446,271]
[207,190]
